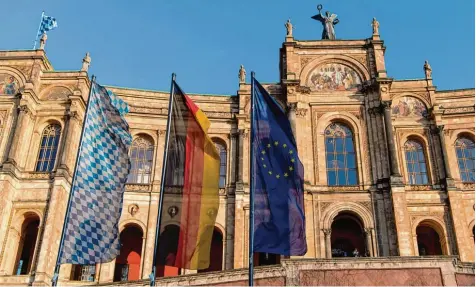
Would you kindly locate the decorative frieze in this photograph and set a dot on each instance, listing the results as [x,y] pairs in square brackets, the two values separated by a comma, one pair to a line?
[137,187]
[459,110]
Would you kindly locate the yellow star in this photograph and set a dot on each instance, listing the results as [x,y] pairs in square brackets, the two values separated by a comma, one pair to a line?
[291,168]
[270,172]
[269,145]
[264,165]
[292,160]
[278,176]
[263,152]
[285,145]
[276,143]
[290,152]
[285,174]
[262,158]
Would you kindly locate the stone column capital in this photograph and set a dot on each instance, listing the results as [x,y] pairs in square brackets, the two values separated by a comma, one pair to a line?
[386,105]
[327,231]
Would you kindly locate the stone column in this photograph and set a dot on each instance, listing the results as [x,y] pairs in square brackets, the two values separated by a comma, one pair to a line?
[69,131]
[368,238]
[13,147]
[239,174]
[142,255]
[292,116]
[392,151]
[327,238]
[444,152]
[381,140]
[376,141]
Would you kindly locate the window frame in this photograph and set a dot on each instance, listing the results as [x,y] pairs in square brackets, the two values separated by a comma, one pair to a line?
[144,144]
[411,174]
[341,152]
[46,152]
[466,171]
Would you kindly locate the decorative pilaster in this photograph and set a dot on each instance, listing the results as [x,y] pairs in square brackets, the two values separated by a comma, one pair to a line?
[292,108]
[327,239]
[23,113]
[368,238]
[442,134]
[392,151]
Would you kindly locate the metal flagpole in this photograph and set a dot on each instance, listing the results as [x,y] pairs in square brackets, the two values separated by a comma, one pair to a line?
[54,280]
[252,188]
[162,182]
[39,27]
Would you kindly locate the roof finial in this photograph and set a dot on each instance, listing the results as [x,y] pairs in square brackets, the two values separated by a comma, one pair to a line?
[86,62]
[43,41]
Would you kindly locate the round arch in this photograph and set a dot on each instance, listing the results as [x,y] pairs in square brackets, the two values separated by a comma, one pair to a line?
[16,73]
[145,135]
[438,226]
[423,141]
[133,222]
[338,59]
[48,91]
[413,95]
[461,133]
[348,207]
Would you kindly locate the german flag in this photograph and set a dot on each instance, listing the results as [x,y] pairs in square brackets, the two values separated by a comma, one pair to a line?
[191,188]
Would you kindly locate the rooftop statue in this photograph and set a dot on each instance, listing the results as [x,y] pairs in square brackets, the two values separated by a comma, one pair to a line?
[328,23]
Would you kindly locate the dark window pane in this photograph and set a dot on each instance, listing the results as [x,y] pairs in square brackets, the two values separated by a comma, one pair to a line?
[422,167]
[349,145]
[352,175]
[339,145]
[424,179]
[340,161]
[341,178]
[331,178]
[421,156]
[329,145]
[351,161]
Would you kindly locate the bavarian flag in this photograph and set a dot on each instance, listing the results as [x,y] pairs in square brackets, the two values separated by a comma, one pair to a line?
[191,188]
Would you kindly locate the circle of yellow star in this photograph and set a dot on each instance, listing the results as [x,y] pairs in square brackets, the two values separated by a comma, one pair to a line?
[278,176]
[291,168]
[269,145]
[290,152]
[270,172]
[293,160]
[285,145]
[264,165]
[263,152]
[276,143]
[285,174]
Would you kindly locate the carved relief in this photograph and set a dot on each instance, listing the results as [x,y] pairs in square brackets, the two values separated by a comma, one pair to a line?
[305,60]
[409,107]
[172,211]
[334,77]
[324,205]
[57,93]
[301,113]
[359,58]
[459,110]
[137,187]
[39,175]
[133,209]
[418,187]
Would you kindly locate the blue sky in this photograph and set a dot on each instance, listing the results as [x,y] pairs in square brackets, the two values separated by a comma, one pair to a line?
[138,44]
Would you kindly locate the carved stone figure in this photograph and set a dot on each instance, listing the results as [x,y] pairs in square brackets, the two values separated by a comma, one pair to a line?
[375,26]
[43,41]
[86,62]
[242,74]
[427,69]
[328,23]
[289,28]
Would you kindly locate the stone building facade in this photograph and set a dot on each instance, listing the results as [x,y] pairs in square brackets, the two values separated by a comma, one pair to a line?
[389,164]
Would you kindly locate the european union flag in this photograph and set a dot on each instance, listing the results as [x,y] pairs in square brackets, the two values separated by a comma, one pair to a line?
[279,224]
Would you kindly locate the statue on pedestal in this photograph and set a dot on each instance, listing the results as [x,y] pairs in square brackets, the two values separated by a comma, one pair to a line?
[242,74]
[289,28]
[375,26]
[328,23]
[427,69]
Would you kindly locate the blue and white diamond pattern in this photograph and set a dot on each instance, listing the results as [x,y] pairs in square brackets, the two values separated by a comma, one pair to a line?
[47,23]
[91,233]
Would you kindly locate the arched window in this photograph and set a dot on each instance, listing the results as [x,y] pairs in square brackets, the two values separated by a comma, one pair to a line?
[142,152]
[465,153]
[416,163]
[340,155]
[48,148]
[222,151]
[26,248]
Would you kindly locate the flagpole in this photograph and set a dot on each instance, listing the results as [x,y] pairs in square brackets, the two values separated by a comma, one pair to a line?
[54,280]
[39,27]
[162,181]
[252,189]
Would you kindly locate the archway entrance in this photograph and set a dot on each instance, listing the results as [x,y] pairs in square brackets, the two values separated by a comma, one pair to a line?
[128,262]
[168,244]
[216,252]
[26,247]
[347,236]
[428,240]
